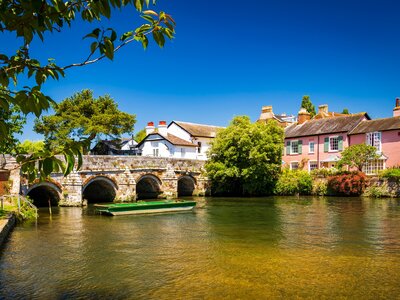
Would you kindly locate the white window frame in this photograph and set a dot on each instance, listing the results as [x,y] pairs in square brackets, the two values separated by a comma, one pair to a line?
[331,138]
[291,147]
[309,147]
[156,152]
[294,162]
[373,169]
[373,138]
[309,165]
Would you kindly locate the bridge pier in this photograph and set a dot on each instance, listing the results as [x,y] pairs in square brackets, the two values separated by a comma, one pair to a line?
[126,187]
[71,190]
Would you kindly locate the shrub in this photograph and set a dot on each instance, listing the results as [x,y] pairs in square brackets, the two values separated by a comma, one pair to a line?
[319,188]
[377,191]
[294,182]
[391,174]
[347,184]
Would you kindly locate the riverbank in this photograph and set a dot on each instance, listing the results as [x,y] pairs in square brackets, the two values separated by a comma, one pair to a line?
[7,223]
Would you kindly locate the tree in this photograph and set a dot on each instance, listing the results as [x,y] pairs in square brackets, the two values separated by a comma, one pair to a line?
[14,120]
[246,158]
[35,19]
[140,135]
[356,156]
[83,117]
[307,104]
[28,146]
[345,111]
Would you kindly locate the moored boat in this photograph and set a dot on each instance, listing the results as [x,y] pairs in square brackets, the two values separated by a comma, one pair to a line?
[145,207]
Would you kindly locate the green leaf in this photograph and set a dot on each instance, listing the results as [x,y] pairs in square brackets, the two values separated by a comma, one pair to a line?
[47,166]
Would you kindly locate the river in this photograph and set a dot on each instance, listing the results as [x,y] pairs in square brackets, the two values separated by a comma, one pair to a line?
[256,248]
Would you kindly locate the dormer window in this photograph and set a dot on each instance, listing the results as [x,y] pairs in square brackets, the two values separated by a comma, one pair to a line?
[374,139]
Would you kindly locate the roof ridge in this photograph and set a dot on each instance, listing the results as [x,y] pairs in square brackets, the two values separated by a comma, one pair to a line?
[191,123]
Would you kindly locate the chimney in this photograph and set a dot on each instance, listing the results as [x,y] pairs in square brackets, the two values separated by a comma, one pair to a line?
[150,128]
[323,109]
[396,110]
[303,116]
[266,113]
[162,128]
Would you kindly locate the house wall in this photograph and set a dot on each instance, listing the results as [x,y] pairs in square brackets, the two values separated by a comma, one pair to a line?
[390,145]
[179,132]
[205,146]
[166,149]
[319,153]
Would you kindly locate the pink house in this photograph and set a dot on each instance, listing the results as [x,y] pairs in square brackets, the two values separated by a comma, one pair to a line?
[384,134]
[317,143]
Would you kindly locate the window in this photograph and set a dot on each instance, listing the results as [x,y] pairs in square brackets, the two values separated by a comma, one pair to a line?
[199,147]
[294,165]
[294,147]
[374,166]
[155,152]
[183,152]
[334,143]
[312,165]
[375,139]
[311,147]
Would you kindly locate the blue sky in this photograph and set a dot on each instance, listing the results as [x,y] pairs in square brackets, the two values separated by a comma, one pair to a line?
[232,57]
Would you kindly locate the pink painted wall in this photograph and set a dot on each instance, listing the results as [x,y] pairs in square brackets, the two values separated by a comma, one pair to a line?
[390,145]
[319,148]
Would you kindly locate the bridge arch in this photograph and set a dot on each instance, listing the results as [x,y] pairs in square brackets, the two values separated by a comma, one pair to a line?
[186,185]
[43,192]
[99,189]
[148,186]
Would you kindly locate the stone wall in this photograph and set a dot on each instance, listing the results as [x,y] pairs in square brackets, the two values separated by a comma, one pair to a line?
[123,173]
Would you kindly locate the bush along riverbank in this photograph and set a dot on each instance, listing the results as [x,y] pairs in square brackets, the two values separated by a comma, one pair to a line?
[332,182]
[21,207]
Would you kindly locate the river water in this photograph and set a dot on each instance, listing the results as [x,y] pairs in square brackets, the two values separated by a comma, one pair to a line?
[260,248]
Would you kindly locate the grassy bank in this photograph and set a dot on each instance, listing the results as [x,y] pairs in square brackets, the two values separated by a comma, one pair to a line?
[24,212]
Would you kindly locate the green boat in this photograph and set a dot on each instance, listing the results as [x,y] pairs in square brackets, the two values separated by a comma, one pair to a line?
[144,207]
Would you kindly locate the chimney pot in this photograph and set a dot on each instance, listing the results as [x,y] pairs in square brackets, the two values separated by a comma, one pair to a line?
[149,128]
[397,102]
[162,128]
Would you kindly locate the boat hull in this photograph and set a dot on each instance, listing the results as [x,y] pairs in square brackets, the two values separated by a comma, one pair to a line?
[155,207]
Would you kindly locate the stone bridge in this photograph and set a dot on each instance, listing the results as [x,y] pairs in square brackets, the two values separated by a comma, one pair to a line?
[104,178]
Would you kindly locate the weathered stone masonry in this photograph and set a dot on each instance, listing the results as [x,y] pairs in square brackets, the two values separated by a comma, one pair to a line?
[120,175]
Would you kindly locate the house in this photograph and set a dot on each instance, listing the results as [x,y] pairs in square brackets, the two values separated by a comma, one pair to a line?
[317,143]
[283,119]
[125,146]
[384,134]
[178,139]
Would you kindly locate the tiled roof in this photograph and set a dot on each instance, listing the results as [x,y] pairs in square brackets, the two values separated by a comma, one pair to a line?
[178,141]
[325,126]
[198,130]
[331,114]
[377,125]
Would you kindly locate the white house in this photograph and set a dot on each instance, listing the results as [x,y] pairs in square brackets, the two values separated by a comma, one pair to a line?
[178,139]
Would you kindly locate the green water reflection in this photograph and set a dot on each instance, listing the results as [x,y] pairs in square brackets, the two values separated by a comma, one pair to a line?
[227,248]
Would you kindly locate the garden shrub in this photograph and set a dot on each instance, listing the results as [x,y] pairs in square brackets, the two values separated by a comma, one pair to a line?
[319,188]
[294,182]
[391,174]
[347,184]
[377,191]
